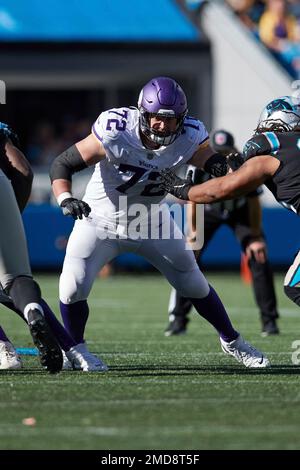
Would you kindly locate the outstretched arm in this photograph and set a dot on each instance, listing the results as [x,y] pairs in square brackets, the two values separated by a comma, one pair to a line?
[248,177]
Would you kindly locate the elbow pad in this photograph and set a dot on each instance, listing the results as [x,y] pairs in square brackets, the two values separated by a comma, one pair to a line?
[67,163]
[216,165]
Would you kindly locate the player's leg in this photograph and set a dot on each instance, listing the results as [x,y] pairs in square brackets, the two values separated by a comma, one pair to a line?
[86,254]
[292,281]
[180,268]
[178,310]
[16,278]
[63,338]
[173,258]
[179,306]
[262,276]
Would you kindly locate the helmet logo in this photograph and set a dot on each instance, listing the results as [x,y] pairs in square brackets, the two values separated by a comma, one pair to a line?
[278,105]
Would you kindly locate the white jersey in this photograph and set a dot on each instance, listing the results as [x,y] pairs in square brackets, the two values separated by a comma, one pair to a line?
[130,169]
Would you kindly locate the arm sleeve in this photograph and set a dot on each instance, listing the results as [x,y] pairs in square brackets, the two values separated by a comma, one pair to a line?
[261,144]
[67,163]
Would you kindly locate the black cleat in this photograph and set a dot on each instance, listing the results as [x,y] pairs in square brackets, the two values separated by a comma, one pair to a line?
[50,353]
[270,328]
[176,326]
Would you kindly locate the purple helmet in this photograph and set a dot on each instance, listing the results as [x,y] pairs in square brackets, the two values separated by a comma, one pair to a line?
[162,96]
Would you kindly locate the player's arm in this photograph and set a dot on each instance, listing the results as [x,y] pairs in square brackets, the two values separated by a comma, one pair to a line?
[17,169]
[87,152]
[216,164]
[248,177]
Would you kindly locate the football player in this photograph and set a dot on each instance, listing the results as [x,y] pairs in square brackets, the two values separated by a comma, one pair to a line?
[271,158]
[243,216]
[22,294]
[129,147]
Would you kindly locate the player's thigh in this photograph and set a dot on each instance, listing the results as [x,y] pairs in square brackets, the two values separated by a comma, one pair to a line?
[177,263]
[86,254]
[14,260]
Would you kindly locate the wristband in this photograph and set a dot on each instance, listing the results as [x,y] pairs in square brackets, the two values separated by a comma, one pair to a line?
[63,196]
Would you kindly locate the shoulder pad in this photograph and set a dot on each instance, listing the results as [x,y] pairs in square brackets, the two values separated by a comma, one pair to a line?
[195,129]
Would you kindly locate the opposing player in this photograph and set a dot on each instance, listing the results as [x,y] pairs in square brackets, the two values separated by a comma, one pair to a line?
[48,334]
[129,147]
[272,158]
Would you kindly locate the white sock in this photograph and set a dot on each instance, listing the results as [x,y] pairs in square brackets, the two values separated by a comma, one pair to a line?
[32,306]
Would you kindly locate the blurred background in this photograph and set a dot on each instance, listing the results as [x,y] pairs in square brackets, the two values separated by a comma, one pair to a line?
[63,63]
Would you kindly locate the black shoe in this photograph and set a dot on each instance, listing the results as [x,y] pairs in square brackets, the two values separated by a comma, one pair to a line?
[270,328]
[176,326]
[50,353]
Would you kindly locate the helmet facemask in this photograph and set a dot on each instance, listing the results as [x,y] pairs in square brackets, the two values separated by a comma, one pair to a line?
[157,136]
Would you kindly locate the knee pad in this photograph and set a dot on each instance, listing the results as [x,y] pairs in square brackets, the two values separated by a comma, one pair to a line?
[71,289]
[191,284]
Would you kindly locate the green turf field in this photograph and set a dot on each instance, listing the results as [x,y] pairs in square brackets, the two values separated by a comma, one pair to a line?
[160,393]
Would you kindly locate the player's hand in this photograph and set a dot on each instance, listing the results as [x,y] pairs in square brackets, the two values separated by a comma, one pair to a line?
[74,207]
[175,185]
[234,160]
[6,132]
[258,250]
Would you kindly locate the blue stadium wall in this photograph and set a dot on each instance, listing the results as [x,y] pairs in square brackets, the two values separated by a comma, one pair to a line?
[48,230]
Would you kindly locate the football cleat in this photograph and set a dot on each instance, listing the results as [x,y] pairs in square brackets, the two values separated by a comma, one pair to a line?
[245,353]
[9,358]
[270,328]
[176,326]
[81,359]
[50,353]
[66,363]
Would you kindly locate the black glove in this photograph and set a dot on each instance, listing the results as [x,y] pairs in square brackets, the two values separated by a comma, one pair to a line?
[6,132]
[75,208]
[235,160]
[179,187]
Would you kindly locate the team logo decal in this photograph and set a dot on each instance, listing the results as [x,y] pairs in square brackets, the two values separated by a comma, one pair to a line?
[279,105]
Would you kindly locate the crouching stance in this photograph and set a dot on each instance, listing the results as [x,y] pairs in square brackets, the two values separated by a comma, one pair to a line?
[129,147]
